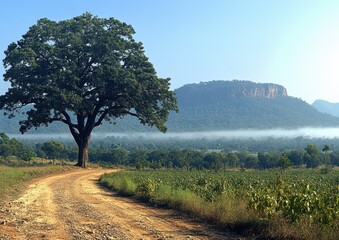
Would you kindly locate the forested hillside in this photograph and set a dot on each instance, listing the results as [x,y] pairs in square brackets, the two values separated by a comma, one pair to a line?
[243,104]
[220,105]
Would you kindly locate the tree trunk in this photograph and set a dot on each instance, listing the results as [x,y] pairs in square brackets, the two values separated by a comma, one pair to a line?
[83,153]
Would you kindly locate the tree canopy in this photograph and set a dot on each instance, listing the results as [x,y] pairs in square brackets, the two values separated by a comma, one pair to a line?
[81,72]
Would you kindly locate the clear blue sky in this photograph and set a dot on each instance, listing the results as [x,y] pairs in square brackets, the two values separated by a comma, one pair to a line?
[294,43]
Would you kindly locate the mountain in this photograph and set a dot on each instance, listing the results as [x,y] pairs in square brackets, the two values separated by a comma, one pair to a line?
[327,107]
[237,104]
[220,105]
[206,93]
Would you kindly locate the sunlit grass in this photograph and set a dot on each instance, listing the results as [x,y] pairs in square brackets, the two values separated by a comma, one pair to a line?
[13,178]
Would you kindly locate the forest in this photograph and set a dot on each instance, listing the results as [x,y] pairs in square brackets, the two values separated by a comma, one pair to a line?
[221,154]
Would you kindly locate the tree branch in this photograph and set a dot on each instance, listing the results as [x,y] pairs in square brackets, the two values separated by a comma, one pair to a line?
[68,120]
[105,113]
[64,121]
[75,134]
[72,127]
[101,118]
[132,114]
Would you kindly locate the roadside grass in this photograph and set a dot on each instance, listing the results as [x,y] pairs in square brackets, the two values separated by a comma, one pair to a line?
[14,162]
[230,210]
[123,185]
[223,213]
[13,179]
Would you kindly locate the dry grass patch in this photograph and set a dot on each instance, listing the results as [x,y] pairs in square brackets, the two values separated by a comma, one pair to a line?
[13,179]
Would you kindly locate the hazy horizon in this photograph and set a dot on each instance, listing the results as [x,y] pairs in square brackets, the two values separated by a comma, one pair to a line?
[307,132]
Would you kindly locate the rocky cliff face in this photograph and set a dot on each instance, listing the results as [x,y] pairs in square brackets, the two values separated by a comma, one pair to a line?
[266,90]
[219,91]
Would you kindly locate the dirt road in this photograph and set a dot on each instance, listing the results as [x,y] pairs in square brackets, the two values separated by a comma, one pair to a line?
[73,206]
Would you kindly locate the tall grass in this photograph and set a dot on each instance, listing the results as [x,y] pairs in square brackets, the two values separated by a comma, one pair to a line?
[123,185]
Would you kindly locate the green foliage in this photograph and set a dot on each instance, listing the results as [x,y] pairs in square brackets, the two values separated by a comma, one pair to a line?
[296,157]
[214,159]
[284,162]
[312,149]
[122,184]
[12,147]
[120,156]
[147,188]
[26,153]
[53,149]
[317,203]
[326,148]
[81,72]
[268,160]
[304,199]
[326,170]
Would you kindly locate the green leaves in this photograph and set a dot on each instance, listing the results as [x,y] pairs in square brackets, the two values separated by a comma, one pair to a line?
[86,65]
[53,149]
[12,147]
[294,201]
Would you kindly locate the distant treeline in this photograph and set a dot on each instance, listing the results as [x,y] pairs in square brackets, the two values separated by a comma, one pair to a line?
[248,145]
[212,156]
[309,157]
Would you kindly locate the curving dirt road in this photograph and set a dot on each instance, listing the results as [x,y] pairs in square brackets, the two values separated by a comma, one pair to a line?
[73,206]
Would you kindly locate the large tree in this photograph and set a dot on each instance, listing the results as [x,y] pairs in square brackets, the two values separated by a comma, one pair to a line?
[81,72]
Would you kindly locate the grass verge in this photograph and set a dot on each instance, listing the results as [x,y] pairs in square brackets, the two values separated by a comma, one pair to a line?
[13,179]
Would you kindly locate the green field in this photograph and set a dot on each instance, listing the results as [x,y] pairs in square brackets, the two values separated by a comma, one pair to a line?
[296,204]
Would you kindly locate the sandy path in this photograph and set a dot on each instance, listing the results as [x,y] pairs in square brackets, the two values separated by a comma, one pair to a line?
[73,206]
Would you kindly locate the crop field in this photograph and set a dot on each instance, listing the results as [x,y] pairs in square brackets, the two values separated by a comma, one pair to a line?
[297,204]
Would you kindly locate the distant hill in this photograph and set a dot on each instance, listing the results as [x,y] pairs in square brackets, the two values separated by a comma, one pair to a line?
[243,104]
[327,107]
[220,105]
